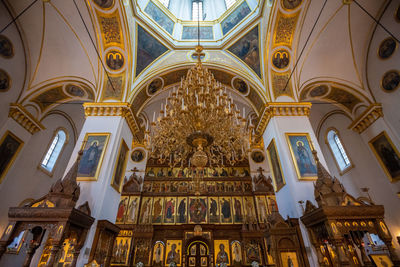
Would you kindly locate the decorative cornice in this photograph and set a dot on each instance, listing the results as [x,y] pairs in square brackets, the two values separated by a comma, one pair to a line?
[367,118]
[282,109]
[121,109]
[24,118]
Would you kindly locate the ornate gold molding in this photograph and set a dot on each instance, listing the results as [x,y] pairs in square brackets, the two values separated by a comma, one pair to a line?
[24,118]
[367,118]
[121,109]
[282,109]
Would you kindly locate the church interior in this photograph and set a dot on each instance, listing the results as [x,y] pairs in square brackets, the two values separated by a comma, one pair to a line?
[199,133]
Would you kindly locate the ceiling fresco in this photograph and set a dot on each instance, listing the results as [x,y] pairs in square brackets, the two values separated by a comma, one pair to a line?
[174,77]
[58,93]
[346,98]
[177,26]
[263,54]
[247,49]
[160,17]
[148,49]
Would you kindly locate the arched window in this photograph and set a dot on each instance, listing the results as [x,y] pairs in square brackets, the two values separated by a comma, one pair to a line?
[338,151]
[229,3]
[197,10]
[54,150]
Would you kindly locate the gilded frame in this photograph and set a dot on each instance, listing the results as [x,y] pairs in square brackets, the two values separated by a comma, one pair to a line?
[257,150]
[158,244]
[9,80]
[138,149]
[115,186]
[168,248]
[185,215]
[40,167]
[271,145]
[379,46]
[226,245]
[220,199]
[278,50]
[288,253]
[159,90]
[115,50]
[381,82]
[11,162]
[291,9]
[128,241]
[95,177]
[164,211]
[395,14]
[157,218]
[307,135]
[12,47]
[375,257]
[383,133]
[341,172]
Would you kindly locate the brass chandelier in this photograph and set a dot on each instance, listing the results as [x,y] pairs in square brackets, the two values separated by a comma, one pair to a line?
[199,124]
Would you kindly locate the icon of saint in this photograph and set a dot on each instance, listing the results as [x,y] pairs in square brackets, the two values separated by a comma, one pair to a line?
[169,210]
[182,211]
[173,255]
[226,210]
[222,256]
[89,160]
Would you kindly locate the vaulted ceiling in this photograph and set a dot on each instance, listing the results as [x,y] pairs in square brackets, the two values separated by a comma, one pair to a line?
[79,44]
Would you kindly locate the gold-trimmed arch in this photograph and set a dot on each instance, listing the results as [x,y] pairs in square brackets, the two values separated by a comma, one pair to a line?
[210,65]
[46,97]
[346,97]
[326,116]
[67,117]
[172,76]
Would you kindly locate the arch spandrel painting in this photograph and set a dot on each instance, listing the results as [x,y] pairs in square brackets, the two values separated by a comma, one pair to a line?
[148,49]
[235,17]
[160,17]
[247,49]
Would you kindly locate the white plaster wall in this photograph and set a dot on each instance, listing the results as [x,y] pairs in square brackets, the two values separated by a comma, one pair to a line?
[376,68]
[103,199]
[294,190]
[366,171]
[15,66]
[24,179]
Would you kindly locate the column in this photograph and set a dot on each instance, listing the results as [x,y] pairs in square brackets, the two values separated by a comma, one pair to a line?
[116,120]
[278,120]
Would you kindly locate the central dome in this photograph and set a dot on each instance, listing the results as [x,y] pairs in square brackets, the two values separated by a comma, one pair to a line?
[177,20]
[211,9]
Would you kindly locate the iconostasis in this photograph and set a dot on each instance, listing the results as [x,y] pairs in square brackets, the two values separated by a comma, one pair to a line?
[165,209]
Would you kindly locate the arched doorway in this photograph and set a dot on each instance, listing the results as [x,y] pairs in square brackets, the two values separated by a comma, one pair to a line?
[197,254]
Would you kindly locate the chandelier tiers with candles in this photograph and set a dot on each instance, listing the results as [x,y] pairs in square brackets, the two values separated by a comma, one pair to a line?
[199,124]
